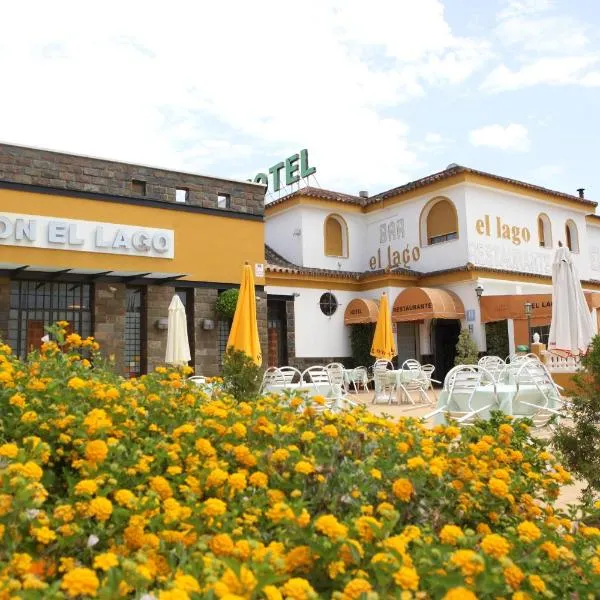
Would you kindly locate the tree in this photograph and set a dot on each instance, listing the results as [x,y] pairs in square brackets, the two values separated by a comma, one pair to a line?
[466,349]
[579,442]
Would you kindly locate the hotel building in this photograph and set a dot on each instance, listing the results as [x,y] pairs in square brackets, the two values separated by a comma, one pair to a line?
[460,248]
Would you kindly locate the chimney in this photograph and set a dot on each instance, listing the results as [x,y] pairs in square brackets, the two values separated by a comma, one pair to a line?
[363,194]
[581,190]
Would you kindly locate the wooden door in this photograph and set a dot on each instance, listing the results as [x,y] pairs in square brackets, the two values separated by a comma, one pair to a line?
[35,333]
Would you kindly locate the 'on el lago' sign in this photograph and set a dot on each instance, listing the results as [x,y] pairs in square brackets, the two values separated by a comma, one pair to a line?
[294,168]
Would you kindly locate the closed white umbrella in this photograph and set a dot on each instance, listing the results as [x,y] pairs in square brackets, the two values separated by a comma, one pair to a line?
[572,329]
[178,347]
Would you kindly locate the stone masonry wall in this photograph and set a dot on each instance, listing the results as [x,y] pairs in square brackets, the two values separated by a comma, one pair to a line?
[109,320]
[206,358]
[4,307]
[158,298]
[65,171]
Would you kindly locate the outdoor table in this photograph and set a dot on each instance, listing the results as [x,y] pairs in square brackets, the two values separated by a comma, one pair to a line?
[350,376]
[502,400]
[397,377]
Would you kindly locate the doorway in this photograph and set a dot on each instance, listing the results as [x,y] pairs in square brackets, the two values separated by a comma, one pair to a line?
[444,337]
[277,351]
[406,336]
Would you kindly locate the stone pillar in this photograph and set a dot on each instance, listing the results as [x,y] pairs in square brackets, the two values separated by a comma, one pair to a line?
[109,320]
[158,298]
[206,358]
[291,330]
[4,307]
[261,317]
[539,350]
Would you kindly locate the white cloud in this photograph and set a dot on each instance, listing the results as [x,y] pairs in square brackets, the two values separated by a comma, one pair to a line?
[433,138]
[547,46]
[512,137]
[229,87]
[551,71]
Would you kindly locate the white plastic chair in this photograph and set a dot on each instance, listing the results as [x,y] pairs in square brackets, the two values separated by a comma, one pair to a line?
[534,374]
[411,365]
[291,375]
[494,364]
[271,377]
[197,379]
[385,385]
[358,378]
[464,380]
[428,370]
[318,377]
[338,388]
[418,384]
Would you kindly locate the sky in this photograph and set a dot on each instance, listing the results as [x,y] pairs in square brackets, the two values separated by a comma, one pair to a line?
[379,92]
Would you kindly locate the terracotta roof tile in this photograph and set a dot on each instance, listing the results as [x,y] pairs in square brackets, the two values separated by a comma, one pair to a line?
[312,192]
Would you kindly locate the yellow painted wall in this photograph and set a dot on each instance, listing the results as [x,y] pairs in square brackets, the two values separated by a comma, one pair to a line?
[207,247]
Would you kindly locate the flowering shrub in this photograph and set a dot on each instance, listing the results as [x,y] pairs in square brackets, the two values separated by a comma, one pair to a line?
[148,488]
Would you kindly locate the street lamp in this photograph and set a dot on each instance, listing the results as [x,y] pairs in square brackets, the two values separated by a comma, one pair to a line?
[479,292]
[528,310]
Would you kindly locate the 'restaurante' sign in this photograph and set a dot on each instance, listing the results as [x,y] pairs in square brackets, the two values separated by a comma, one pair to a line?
[33,231]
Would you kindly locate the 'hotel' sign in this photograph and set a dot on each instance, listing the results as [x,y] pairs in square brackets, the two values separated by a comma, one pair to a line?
[33,231]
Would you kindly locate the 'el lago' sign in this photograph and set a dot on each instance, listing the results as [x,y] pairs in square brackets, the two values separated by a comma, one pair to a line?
[294,168]
[34,231]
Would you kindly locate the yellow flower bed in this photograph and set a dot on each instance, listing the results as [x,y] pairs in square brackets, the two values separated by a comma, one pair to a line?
[147,488]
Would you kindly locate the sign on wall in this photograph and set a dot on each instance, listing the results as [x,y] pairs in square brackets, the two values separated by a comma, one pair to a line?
[500,230]
[291,170]
[34,231]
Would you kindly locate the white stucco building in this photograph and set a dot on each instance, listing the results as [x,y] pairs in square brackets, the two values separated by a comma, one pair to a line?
[431,245]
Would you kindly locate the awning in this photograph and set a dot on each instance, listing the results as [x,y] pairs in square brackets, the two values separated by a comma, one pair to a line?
[418,304]
[512,306]
[361,310]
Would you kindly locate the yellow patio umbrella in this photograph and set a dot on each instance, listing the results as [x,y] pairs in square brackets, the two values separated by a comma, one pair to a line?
[384,345]
[244,329]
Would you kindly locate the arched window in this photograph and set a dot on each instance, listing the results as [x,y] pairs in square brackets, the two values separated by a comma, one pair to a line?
[572,236]
[336,236]
[544,231]
[439,222]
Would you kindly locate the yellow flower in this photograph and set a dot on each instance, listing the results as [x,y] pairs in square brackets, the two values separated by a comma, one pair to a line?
[161,486]
[407,578]
[80,582]
[298,588]
[216,478]
[403,489]
[308,436]
[272,593]
[469,562]
[43,535]
[528,531]
[537,583]
[331,527]
[76,383]
[221,545]
[187,583]
[237,482]
[96,451]
[106,561]
[355,588]
[513,576]
[213,507]
[498,487]
[415,462]
[125,498]
[21,563]
[495,545]
[32,470]
[280,455]
[101,508]
[9,450]
[304,467]
[330,431]
[450,534]
[259,480]
[459,593]
[17,400]
[173,595]
[367,527]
